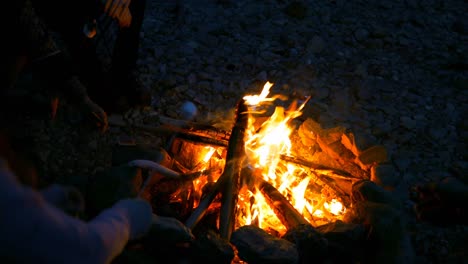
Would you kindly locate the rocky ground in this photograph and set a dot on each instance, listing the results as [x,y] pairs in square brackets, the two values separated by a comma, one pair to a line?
[393,72]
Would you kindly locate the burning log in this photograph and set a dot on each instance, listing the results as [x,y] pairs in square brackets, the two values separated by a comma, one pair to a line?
[228,182]
[234,159]
[329,187]
[287,214]
[325,177]
[341,174]
[342,155]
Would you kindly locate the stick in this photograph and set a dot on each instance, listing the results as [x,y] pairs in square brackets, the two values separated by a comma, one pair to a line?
[225,182]
[201,209]
[151,165]
[234,159]
[342,155]
[315,166]
[208,136]
[287,214]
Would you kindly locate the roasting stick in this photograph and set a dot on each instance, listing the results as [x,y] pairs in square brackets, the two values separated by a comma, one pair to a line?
[164,171]
[151,165]
[155,167]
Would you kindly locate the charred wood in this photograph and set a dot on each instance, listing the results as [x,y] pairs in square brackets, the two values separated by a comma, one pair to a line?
[234,160]
[228,182]
[343,156]
[329,171]
[197,133]
[287,214]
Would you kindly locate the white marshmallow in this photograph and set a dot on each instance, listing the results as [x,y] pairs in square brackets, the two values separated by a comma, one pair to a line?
[188,110]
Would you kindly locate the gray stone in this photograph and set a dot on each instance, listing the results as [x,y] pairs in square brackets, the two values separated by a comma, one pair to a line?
[311,244]
[209,247]
[317,44]
[255,245]
[357,142]
[385,176]
[402,161]
[408,122]
[361,34]
[344,241]
[372,156]
[387,232]
[366,190]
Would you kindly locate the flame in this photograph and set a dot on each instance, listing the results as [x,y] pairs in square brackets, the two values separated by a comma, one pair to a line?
[267,138]
[207,153]
[256,99]
[334,207]
[264,146]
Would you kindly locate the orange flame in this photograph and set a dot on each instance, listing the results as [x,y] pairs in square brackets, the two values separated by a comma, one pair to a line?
[264,146]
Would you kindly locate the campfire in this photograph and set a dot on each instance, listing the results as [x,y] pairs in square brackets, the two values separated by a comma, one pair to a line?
[275,170]
[254,174]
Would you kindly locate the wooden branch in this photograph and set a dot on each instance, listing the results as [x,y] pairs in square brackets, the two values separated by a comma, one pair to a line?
[234,159]
[188,135]
[329,187]
[202,207]
[343,156]
[324,176]
[287,214]
[202,133]
[315,166]
[228,182]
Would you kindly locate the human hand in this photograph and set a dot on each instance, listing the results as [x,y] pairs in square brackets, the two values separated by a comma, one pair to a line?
[97,114]
[78,93]
[119,10]
[139,214]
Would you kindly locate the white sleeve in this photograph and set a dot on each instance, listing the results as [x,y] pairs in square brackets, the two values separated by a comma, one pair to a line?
[35,231]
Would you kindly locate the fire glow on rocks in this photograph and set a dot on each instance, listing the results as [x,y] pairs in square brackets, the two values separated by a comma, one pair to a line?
[267,140]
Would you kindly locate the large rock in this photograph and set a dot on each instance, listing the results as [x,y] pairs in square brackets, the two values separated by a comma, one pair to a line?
[388,240]
[209,247]
[255,245]
[371,156]
[385,175]
[345,241]
[366,190]
[311,244]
